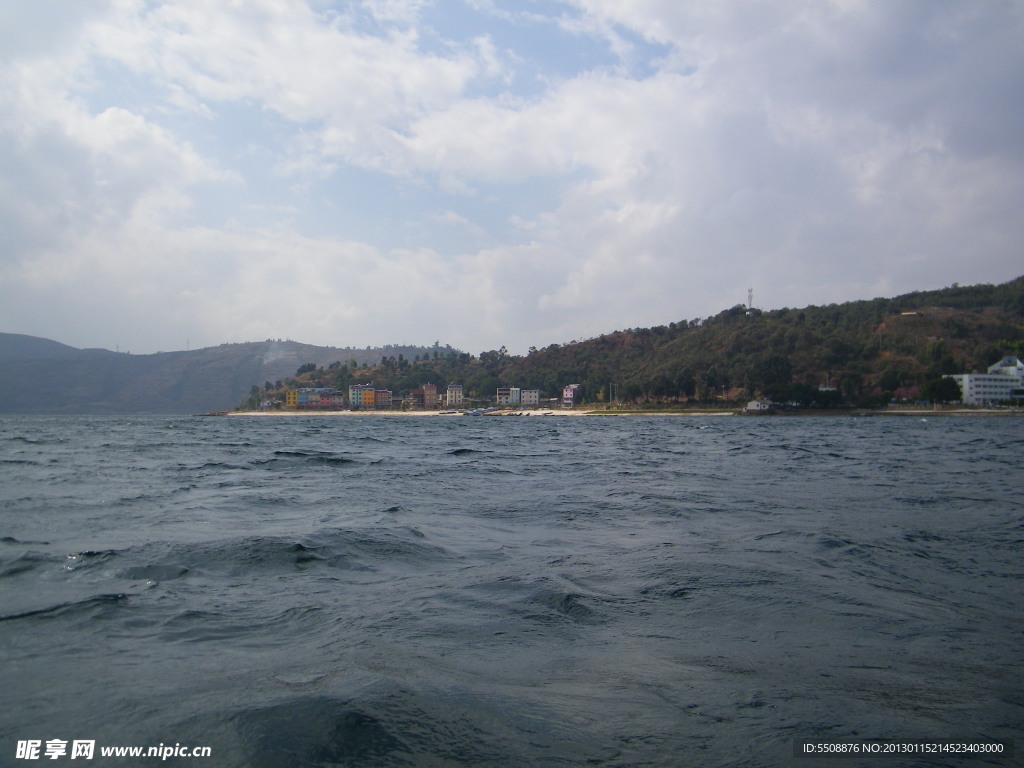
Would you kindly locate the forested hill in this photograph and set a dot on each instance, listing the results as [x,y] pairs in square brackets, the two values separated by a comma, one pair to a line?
[868,350]
[895,345]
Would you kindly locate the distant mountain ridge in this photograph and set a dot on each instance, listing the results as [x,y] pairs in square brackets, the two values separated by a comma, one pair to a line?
[42,376]
[14,346]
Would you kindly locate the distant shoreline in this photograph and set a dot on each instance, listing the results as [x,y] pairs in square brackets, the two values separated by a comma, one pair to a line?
[393,414]
[853,413]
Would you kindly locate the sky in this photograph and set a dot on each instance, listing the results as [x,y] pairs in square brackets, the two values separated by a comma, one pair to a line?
[482,173]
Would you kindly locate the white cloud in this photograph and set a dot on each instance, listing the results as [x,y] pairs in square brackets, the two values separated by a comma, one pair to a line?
[163,164]
[406,11]
[72,170]
[347,89]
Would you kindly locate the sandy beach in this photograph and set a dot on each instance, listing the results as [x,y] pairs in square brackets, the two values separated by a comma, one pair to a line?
[443,414]
[575,412]
[556,412]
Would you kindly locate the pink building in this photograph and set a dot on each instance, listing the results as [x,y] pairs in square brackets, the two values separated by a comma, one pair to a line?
[570,394]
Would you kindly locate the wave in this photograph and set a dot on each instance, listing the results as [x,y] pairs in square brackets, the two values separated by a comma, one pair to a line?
[91,557]
[286,457]
[34,440]
[373,550]
[402,726]
[253,627]
[463,451]
[23,563]
[154,572]
[216,466]
[12,540]
[20,462]
[75,607]
[365,549]
[566,605]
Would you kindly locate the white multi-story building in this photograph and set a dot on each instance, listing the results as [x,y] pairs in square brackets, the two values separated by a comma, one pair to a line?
[454,396]
[1003,383]
[517,396]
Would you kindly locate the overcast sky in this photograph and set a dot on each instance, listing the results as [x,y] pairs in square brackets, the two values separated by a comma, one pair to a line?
[488,172]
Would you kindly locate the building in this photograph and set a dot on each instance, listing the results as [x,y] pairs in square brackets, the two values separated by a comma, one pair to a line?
[571,393]
[430,398]
[454,397]
[361,396]
[517,397]
[324,398]
[1003,383]
[424,396]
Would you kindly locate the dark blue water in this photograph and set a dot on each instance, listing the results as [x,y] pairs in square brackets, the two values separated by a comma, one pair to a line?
[597,591]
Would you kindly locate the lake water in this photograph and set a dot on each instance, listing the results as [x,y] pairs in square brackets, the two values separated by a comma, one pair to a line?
[596,591]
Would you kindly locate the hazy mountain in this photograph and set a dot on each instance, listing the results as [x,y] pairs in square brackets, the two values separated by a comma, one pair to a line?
[43,376]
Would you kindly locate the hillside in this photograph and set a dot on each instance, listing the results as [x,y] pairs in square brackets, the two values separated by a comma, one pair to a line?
[43,376]
[868,350]
[859,347]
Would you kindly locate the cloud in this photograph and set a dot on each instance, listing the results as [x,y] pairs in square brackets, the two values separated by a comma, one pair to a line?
[347,88]
[32,29]
[803,151]
[359,172]
[70,171]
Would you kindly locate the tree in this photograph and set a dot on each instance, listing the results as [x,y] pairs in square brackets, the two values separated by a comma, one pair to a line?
[684,382]
[891,380]
[942,390]
[771,370]
[802,395]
